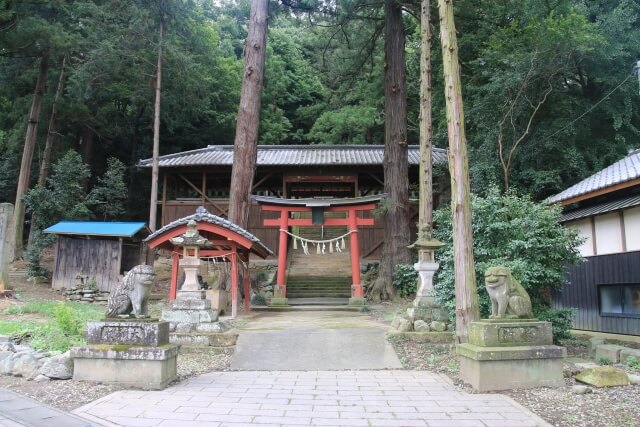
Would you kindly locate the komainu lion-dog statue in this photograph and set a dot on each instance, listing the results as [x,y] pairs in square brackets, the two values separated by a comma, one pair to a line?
[131,295]
[508,298]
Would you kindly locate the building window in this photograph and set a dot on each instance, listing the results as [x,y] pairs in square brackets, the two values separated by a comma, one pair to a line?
[620,300]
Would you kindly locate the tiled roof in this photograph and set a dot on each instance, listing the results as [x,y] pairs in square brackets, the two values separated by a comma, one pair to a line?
[615,205]
[202,215]
[621,171]
[292,155]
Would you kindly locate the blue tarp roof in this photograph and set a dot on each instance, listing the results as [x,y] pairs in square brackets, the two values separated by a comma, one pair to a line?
[97,228]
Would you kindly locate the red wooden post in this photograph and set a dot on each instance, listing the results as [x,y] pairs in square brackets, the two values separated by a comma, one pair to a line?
[175,259]
[282,255]
[356,288]
[234,285]
[247,289]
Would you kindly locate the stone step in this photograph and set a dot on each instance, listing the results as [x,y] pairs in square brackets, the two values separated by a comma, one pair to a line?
[318,294]
[318,290]
[203,339]
[318,281]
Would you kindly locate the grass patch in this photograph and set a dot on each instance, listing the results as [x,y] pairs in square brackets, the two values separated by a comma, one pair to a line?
[64,326]
[14,327]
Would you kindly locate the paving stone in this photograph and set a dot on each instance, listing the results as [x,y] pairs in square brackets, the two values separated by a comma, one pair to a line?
[373,398]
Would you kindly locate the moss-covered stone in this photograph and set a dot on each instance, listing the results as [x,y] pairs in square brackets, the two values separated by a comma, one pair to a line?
[603,376]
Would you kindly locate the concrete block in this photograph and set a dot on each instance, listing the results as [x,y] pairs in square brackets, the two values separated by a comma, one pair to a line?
[278,302]
[128,332]
[609,351]
[629,352]
[592,344]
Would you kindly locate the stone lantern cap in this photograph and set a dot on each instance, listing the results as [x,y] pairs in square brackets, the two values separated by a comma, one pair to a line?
[426,241]
[190,238]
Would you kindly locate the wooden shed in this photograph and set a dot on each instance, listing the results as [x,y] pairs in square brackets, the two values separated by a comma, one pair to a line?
[103,251]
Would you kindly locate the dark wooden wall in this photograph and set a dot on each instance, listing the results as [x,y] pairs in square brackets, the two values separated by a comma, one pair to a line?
[99,258]
[582,291]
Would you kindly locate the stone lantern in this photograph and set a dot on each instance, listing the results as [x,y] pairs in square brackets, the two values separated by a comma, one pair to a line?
[426,266]
[191,242]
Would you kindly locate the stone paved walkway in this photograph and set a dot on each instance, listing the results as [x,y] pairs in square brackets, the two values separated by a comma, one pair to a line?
[18,410]
[314,340]
[312,398]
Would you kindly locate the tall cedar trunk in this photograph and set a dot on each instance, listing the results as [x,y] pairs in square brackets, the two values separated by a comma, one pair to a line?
[51,138]
[153,204]
[27,155]
[396,164]
[86,147]
[464,269]
[52,131]
[426,127]
[246,140]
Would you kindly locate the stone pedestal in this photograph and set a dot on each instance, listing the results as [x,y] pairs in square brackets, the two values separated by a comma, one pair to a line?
[511,354]
[279,299]
[424,295]
[357,301]
[219,300]
[193,322]
[6,246]
[132,352]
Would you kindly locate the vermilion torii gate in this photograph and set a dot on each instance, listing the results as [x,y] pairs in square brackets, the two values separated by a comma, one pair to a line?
[318,207]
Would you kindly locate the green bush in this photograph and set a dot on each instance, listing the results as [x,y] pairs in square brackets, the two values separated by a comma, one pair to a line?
[560,318]
[405,280]
[512,231]
[67,321]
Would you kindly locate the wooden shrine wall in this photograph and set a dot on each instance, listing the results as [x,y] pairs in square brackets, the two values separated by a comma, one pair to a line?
[99,258]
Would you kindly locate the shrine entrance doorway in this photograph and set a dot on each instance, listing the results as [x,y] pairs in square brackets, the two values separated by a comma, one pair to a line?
[353,213]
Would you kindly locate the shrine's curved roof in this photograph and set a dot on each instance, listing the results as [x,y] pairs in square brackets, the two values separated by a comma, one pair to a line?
[202,215]
[292,155]
[319,201]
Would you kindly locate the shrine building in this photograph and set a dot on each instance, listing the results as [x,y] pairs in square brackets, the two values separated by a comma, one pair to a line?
[202,177]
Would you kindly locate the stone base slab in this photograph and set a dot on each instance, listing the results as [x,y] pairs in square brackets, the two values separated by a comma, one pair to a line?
[149,368]
[500,368]
[139,332]
[189,316]
[279,302]
[225,339]
[191,304]
[510,333]
[424,337]
[356,301]
[428,314]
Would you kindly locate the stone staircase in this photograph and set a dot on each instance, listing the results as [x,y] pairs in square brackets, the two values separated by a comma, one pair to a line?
[319,276]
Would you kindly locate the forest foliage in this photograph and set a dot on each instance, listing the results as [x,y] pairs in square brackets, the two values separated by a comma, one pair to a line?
[529,70]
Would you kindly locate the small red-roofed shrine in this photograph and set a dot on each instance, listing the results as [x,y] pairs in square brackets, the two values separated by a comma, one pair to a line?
[226,240]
